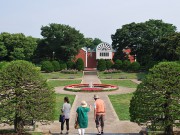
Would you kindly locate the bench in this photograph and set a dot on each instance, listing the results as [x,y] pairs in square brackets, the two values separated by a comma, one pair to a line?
[29,123]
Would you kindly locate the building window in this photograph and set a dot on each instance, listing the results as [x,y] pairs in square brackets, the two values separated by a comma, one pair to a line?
[106,54]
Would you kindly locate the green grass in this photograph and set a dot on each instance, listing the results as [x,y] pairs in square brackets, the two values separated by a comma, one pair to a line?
[56,83]
[123,83]
[121,105]
[59,103]
[122,74]
[58,75]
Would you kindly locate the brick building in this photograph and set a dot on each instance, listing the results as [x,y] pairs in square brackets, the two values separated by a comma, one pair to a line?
[91,56]
[102,51]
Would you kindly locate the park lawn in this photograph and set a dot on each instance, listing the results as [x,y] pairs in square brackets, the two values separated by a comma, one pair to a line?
[121,103]
[59,75]
[56,83]
[127,75]
[123,83]
[59,103]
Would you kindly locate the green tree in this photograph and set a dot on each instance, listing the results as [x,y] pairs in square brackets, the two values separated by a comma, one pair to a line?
[17,46]
[101,65]
[144,39]
[96,41]
[79,64]
[89,43]
[92,43]
[60,38]
[156,99]
[3,51]
[169,49]
[24,95]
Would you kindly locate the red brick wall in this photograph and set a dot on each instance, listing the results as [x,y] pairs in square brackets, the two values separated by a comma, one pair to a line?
[82,55]
[91,60]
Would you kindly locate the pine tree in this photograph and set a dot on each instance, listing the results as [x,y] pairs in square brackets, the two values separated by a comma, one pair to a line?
[156,99]
[24,95]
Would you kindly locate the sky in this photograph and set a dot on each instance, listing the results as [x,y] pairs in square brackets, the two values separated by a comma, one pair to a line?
[94,18]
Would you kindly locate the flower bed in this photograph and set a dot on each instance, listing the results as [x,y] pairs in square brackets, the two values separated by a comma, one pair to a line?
[110,71]
[86,88]
[72,71]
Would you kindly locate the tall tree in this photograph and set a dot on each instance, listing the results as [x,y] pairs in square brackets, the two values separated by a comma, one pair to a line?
[92,43]
[17,46]
[169,48]
[156,99]
[24,95]
[97,41]
[64,40]
[142,38]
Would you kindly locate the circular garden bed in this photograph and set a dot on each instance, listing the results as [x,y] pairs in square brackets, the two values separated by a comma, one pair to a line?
[93,88]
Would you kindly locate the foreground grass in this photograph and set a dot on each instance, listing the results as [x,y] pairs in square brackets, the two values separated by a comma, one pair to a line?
[123,83]
[121,105]
[59,103]
[122,74]
[58,75]
[56,83]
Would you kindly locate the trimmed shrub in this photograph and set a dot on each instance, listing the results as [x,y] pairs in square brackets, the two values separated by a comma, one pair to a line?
[126,64]
[118,64]
[101,65]
[70,65]
[47,66]
[79,64]
[56,65]
[135,66]
[62,65]
[109,64]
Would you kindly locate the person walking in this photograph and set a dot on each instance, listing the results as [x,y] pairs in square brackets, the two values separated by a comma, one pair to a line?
[66,112]
[82,117]
[99,114]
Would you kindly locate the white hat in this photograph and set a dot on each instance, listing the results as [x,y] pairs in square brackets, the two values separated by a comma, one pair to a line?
[83,103]
[96,96]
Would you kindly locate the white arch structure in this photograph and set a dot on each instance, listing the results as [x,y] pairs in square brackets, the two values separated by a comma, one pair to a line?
[104,51]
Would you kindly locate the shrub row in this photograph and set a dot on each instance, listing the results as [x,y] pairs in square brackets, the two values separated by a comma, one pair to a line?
[50,66]
[118,65]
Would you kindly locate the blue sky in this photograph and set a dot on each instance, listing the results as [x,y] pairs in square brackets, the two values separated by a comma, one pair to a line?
[93,18]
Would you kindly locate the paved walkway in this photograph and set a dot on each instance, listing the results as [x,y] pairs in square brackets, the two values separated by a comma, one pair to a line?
[112,124]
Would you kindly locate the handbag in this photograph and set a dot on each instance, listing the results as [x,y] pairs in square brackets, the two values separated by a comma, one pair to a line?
[61,118]
[76,125]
